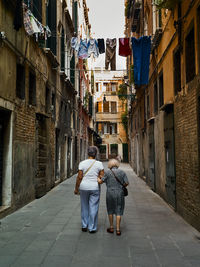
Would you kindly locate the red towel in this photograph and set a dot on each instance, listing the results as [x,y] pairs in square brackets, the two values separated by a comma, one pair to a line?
[124,47]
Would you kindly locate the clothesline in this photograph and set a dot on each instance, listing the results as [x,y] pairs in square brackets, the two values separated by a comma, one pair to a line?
[99,69]
[141,50]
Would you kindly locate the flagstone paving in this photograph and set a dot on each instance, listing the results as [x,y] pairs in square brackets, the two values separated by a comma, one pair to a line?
[47,232]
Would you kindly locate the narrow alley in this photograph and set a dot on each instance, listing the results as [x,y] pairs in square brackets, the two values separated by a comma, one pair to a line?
[47,232]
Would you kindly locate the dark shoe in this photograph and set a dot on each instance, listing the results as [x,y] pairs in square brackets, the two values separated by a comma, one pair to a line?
[118,232]
[84,229]
[92,232]
[110,230]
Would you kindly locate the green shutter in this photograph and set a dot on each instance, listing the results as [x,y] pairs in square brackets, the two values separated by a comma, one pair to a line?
[52,22]
[72,70]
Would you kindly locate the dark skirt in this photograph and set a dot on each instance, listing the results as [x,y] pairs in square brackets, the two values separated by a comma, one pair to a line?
[115,201]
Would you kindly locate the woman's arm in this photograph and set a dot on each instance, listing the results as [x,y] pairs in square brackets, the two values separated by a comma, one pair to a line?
[78,181]
[125,178]
[99,178]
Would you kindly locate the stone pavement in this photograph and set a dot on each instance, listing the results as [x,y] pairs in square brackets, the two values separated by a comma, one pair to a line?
[47,232]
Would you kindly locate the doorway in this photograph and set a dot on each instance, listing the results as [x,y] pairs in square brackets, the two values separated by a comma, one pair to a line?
[6,148]
[41,177]
[170,156]
[152,180]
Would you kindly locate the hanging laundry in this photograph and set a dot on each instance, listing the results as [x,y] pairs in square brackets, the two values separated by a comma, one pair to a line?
[93,48]
[18,19]
[27,22]
[141,59]
[34,25]
[75,44]
[83,49]
[110,53]
[47,32]
[101,45]
[40,26]
[124,47]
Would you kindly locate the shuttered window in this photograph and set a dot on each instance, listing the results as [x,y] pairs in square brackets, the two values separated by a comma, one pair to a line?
[51,15]
[62,51]
[20,81]
[32,88]
[161,90]
[75,16]
[177,71]
[113,107]
[190,56]
[155,98]
[72,70]
[99,106]
[106,106]
[37,9]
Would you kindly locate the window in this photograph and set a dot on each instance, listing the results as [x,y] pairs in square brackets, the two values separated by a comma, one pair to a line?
[97,87]
[99,127]
[106,128]
[91,105]
[106,86]
[155,98]
[198,30]
[37,9]
[102,149]
[177,71]
[148,108]
[190,56]
[113,107]
[161,92]
[160,18]
[114,149]
[47,100]
[98,106]
[62,51]
[113,87]
[113,128]
[106,106]
[53,104]
[32,88]
[51,18]
[72,70]
[20,81]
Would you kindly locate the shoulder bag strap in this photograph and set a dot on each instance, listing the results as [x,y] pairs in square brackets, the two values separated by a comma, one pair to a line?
[116,178]
[89,168]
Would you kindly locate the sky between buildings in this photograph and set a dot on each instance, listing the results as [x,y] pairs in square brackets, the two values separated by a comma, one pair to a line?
[107,20]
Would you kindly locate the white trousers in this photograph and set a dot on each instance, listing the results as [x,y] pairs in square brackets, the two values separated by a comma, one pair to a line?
[89,208]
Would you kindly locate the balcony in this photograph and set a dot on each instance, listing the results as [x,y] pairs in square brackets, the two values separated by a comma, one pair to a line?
[136,9]
[156,39]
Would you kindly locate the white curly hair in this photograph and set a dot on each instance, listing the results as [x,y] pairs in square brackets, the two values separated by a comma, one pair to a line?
[113,163]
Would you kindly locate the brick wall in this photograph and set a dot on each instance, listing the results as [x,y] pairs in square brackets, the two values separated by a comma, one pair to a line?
[24,155]
[25,124]
[187,157]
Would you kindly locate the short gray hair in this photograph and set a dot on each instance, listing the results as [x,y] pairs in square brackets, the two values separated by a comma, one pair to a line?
[92,151]
[113,163]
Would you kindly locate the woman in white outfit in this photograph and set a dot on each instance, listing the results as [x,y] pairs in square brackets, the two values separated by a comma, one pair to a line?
[87,184]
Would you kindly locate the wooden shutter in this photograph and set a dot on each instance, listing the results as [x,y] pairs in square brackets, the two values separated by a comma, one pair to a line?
[106,106]
[51,22]
[99,106]
[37,9]
[113,107]
[62,50]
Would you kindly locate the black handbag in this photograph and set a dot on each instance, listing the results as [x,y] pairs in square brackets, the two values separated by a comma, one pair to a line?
[125,190]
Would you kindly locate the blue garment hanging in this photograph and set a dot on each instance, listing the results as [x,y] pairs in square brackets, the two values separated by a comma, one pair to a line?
[141,55]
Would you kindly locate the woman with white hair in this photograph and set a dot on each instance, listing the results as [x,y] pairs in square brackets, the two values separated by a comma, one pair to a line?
[115,180]
[88,187]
